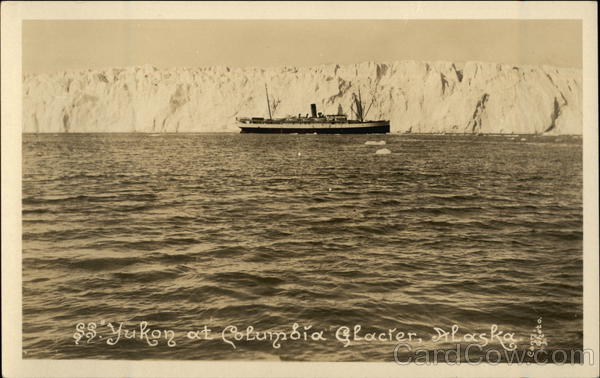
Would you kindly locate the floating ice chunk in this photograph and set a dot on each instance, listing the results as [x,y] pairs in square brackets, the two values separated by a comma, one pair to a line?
[299,153]
[375,143]
[383,151]
[523,139]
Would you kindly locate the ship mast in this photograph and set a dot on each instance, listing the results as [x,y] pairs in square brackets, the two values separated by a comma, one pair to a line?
[360,112]
[359,107]
[268,102]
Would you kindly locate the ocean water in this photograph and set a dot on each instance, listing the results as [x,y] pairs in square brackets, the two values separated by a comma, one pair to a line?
[186,231]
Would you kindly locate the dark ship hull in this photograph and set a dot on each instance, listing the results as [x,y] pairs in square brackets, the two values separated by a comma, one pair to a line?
[376,127]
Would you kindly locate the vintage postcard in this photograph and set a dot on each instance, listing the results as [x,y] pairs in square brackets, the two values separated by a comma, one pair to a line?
[299,189]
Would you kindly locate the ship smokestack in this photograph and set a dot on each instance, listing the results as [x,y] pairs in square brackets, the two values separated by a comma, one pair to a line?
[313,110]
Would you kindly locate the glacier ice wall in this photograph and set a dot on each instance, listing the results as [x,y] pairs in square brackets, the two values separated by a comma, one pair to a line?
[471,97]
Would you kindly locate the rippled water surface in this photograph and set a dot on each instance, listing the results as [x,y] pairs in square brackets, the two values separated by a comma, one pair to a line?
[184,231]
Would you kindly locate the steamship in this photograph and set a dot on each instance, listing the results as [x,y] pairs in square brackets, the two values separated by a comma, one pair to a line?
[317,122]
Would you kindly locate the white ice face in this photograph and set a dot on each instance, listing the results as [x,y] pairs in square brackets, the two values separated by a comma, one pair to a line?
[417,96]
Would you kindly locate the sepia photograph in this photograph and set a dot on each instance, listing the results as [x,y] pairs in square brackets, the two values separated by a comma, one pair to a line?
[405,191]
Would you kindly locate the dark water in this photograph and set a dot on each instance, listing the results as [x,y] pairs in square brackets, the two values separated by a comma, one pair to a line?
[184,231]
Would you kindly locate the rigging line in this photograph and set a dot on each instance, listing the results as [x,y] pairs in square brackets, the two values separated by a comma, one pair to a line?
[372,102]
[268,103]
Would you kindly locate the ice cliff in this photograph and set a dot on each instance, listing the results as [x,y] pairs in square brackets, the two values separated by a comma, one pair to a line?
[471,97]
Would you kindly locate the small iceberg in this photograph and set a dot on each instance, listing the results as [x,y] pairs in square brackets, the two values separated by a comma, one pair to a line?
[375,143]
[383,151]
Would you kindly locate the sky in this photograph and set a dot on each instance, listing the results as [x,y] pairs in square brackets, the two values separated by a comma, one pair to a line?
[58,45]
